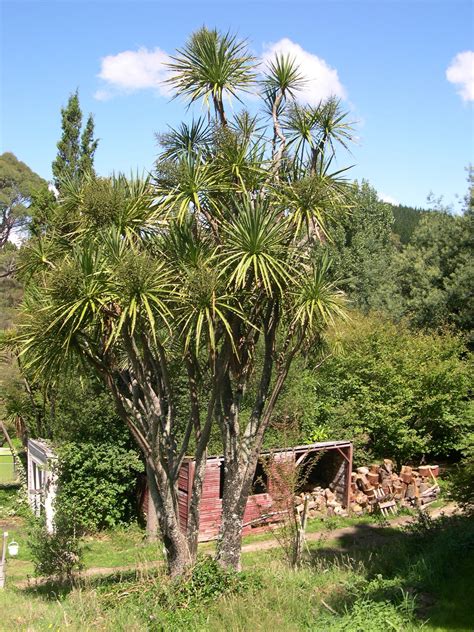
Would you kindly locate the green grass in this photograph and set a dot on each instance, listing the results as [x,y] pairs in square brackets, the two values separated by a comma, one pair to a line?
[7,502]
[7,466]
[418,579]
[121,547]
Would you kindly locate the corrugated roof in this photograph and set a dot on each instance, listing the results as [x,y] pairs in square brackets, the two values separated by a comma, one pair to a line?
[41,449]
[320,445]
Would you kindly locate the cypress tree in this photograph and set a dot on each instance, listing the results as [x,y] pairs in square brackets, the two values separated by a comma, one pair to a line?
[75,155]
[88,147]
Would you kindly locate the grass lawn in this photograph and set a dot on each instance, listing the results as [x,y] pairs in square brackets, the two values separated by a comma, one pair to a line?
[417,580]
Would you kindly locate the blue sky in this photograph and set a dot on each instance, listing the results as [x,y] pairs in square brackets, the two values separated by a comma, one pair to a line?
[388,60]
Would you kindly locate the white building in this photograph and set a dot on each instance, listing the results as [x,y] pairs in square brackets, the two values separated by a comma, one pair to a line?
[41,480]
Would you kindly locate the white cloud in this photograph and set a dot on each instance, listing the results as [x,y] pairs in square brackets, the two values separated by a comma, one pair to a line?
[322,81]
[389,199]
[145,69]
[461,73]
[133,70]
[102,95]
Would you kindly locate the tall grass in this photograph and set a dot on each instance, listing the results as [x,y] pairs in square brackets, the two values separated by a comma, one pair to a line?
[420,578]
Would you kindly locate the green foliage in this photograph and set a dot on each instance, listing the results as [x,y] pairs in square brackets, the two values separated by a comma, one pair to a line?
[182,603]
[17,184]
[41,211]
[10,288]
[212,65]
[366,615]
[11,503]
[208,580]
[435,270]
[406,220]
[88,147]
[98,466]
[294,418]
[362,249]
[395,393]
[97,483]
[58,554]
[461,487]
[75,156]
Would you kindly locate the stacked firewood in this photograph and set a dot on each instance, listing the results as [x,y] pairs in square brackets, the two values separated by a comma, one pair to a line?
[379,486]
[321,502]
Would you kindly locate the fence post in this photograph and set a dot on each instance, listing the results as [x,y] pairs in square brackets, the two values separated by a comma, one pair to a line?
[3,563]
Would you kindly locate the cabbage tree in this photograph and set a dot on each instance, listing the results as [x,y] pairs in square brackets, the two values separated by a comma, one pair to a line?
[205,268]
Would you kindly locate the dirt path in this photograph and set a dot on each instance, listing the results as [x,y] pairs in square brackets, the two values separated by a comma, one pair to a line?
[355,536]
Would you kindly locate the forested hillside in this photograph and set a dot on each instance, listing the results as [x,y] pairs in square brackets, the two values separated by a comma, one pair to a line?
[405,221]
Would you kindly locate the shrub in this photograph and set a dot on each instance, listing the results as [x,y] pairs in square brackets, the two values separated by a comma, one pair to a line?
[395,393]
[207,581]
[97,483]
[58,554]
[180,604]
[13,502]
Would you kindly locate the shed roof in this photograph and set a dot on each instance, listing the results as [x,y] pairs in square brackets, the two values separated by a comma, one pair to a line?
[320,445]
[40,449]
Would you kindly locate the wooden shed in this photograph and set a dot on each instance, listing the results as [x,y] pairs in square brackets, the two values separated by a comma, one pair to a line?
[328,464]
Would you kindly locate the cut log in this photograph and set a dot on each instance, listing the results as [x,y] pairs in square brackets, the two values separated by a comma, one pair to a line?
[373,478]
[434,489]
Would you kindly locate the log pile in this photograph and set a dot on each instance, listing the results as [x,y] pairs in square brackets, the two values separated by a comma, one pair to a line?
[321,502]
[379,486]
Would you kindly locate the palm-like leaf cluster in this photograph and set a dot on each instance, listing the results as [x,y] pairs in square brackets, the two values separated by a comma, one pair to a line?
[212,66]
[217,241]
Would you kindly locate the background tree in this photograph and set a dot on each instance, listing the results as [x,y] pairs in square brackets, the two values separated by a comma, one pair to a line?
[406,219]
[362,250]
[435,270]
[17,184]
[396,393]
[75,156]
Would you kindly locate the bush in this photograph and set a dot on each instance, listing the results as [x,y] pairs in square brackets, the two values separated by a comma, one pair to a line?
[179,604]
[208,580]
[98,464]
[13,502]
[395,393]
[97,483]
[366,615]
[56,555]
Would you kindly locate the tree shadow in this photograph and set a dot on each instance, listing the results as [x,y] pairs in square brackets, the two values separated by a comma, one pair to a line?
[58,589]
[429,562]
